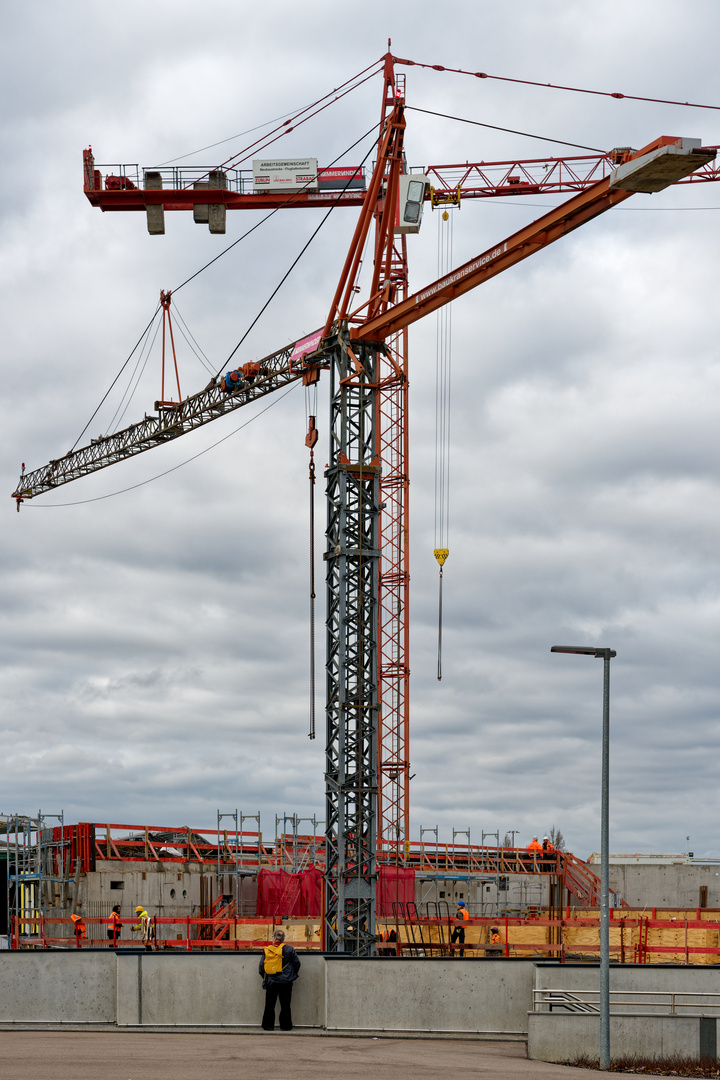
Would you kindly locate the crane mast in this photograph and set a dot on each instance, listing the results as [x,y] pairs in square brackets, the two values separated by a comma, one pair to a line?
[365,349]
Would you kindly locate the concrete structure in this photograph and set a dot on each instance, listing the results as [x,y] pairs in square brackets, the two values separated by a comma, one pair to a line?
[484,894]
[188,889]
[223,990]
[216,992]
[641,1021]
[165,889]
[564,1037]
[664,881]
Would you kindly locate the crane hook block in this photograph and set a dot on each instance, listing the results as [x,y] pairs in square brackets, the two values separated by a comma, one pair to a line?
[441,555]
[313,434]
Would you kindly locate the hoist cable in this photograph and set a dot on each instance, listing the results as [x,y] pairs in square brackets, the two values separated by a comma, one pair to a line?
[510,131]
[290,199]
[440,628]
[312,596]
[294,263]
[105,396]
[210,263]
[192,342]
[310,440]
[136,375]
[259,145]
[443,361]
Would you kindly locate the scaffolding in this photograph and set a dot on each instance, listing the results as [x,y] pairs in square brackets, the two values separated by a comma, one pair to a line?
[47,861]
[38,868]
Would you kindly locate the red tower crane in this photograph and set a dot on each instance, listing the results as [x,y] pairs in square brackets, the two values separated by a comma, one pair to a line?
[364,347]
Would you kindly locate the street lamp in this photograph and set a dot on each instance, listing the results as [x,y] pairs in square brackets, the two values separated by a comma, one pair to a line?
[605,655]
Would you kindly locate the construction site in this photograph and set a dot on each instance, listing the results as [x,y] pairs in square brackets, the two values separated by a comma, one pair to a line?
[122,903]
[229,889]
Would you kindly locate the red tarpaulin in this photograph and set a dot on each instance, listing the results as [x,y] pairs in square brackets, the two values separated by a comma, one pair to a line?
[394,883]
[280,893]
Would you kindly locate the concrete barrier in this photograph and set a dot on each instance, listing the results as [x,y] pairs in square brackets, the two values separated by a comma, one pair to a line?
[639,1024]
[428,995]
[343,994]
[208,990]
[565,1037]
[139,989]
[56,988]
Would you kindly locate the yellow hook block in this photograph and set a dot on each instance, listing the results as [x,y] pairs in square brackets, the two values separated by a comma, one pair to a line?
[441,554]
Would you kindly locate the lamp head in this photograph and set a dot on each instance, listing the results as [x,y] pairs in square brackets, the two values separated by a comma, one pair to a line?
[584,650]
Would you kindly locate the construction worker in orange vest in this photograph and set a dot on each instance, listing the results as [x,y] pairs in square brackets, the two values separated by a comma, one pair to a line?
[496,942]
[80,929]
[386,939]
[114,926]
[549,851]
[462,916]
[535,849]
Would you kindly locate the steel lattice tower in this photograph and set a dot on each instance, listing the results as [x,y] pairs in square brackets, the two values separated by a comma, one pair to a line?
[352,556]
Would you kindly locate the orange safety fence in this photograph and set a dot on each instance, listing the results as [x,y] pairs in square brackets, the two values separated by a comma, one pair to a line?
[634,938]
[186,934]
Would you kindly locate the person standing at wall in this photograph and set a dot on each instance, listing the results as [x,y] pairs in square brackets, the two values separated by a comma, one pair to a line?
[279,967]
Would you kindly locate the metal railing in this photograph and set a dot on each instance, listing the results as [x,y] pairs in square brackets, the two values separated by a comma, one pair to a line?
[188,934]
[643,1002]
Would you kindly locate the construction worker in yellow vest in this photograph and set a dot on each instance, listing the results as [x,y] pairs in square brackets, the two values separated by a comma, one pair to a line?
[145,924]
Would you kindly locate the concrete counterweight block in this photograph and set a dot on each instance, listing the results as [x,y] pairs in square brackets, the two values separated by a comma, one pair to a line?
[155,213]
[201,211]
[217,211]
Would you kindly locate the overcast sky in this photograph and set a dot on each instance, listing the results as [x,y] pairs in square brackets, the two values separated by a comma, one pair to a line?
[154,644]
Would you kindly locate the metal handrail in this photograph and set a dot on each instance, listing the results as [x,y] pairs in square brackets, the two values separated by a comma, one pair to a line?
[589,999]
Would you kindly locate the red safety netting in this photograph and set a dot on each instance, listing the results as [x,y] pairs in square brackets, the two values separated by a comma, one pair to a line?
[394,884]
[281,893]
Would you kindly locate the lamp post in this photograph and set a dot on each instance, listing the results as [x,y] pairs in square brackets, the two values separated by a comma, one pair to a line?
[605,655]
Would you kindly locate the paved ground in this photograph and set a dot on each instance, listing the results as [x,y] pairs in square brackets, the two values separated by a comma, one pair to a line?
[80,1055]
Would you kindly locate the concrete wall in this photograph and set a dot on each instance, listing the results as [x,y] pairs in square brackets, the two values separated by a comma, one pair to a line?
[214,990]
[564,1037]
[561,1036]
[164,889]
[428,995]
[484,897]
[42,987]
[673,886]
[224,990]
